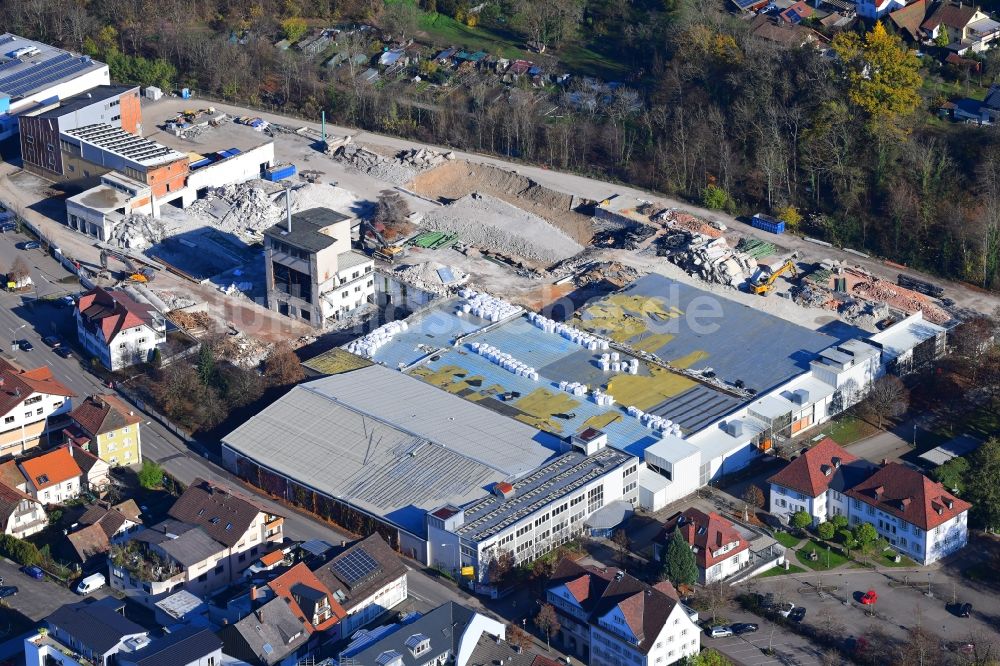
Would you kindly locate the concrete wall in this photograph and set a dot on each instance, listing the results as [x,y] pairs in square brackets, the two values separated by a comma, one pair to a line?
[241,168]
[390,291]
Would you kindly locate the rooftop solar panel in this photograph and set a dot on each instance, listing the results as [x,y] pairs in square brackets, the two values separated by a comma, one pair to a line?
[355,566]
[14,62]
[34,70]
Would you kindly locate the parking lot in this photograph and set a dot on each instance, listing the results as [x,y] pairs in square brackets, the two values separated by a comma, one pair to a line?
[749,649]
[36,599]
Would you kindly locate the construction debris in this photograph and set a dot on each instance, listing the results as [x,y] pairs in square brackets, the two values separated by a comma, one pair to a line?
[193,322]
[709,258]
[245,209]
[137,232]
[431,276]
[623,237]
[396,171]
[675,219]
[423,158]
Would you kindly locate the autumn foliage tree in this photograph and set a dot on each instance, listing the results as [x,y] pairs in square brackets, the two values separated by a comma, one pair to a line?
[547,621]
[282,367]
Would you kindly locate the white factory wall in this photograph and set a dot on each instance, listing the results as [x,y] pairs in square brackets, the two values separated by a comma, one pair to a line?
[82,83]
[241,168]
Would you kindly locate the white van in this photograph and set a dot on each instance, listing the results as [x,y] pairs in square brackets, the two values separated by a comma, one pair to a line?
[91,583]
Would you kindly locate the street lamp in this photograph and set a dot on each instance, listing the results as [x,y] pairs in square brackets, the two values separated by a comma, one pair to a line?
[13,336]
[914,434]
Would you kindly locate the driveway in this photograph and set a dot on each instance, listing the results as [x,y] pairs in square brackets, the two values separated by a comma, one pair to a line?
[36,599]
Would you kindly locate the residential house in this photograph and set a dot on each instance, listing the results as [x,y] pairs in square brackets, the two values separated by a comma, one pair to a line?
[449,634]
[270,636]
[308,598]
[784,33]
[875,9]
[367,580]
[209,538]
[908,20]
[991,103]
[490,651]
[95,474]
[796,13]
[118,330]
[188,646]
[95,630]
[966,27]
[916,515]
[107,427]
[52,477]
[609,618]
[103,525]
[20,514]
[32,403]
[720,550]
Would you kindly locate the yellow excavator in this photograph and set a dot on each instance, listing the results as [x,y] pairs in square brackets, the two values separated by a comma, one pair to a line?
[764,284]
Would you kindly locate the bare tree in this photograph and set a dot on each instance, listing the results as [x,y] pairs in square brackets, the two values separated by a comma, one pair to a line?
[716,597]
[281,367]
[518,637]
[19,270]
[621,541]
[547,621]
[399,20]
[887,398]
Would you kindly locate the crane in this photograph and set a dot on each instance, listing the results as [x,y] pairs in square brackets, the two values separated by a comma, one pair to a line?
[764,284]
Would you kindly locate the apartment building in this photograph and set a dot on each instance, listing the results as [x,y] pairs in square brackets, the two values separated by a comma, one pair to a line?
[608,618]
[21,515]
[89,632]
[916,515]
[313,275]
[209,538]
[118,330]
[535,514]
[107,427]
[32,404]
[719,549]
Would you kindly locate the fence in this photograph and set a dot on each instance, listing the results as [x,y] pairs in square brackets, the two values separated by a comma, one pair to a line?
[140,404]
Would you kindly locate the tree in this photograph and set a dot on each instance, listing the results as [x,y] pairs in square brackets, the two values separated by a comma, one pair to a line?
[942,39]
[847,538]
[883,77]
[709,657]
[679,565]
[621,541]
[716,597]
[801,519]
[972,340]
[791,216]
[499,568]
[887,398]
[548,22]
[866,537]
[714,197]
[151,475]
[754,496]
[983,487]
[156,360]
[547,621]
[839,521]
[518,637]
[826,530]
[18,270]
[391,213]
[282,367]
[399,19]
[952,474]
[294,27]
[206,365]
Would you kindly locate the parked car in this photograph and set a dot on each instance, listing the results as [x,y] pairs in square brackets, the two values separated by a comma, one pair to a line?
[961,647]
[721,631]
[869,597]
[7,226]
[30,245]
[741,628]
[24,345]
[965,610]
[8,591]
[91,583]
[786,609]
[52,341]
[798,614]
[64,302]
[34,572]
[65,352]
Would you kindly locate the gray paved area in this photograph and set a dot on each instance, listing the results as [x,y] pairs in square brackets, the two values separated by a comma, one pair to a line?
[35,599]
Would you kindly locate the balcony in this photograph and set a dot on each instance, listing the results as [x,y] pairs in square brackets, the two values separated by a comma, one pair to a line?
[142,564]
[54,653]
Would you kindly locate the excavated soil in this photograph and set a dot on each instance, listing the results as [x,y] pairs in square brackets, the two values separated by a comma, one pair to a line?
[454,180]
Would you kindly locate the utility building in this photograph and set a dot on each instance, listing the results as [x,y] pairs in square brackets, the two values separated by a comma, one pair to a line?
[312,273]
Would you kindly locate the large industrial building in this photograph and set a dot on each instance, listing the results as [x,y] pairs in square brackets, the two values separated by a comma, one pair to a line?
[35,75]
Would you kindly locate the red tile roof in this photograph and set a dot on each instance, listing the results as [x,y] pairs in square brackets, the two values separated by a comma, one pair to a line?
[272,558]
[908,494]
[812,471]
[644,607]
[51,468]
[10,499]
[300,587]
[709,533]
[16,384]
[103,413]
[111,311]
[953,15]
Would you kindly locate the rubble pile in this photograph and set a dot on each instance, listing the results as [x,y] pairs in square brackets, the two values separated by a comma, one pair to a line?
[426,276]
[675,219]
[244,209]
[396,171]
[876,289]
[422,158]
[137,232]
[610,272]
[242,350]
[622,237]
[709,258]
[191,321]
[865,314]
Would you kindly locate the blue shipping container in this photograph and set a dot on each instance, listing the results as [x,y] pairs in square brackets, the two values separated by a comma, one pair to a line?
[768,224]
[279,172]
[185,93]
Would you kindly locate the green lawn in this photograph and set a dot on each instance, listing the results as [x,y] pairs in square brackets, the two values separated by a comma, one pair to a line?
[443,31]
[935,86]
[848,429]
[834,558]
[582,60]
[787,540]
[780,571]
[885,561]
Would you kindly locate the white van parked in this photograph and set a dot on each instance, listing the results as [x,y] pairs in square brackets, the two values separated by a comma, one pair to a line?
[91,583]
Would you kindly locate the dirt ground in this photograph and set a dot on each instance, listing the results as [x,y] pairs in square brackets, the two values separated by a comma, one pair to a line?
[456,179]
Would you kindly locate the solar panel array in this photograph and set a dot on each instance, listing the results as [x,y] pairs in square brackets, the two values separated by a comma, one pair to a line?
[13,62]
[355,566]
[7,39]
[43,73]
[117,140]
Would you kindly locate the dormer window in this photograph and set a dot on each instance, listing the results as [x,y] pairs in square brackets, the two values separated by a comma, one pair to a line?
[950,503]
[214,521]
[418,644]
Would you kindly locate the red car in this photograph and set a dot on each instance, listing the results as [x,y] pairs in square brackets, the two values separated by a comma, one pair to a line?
[869,597]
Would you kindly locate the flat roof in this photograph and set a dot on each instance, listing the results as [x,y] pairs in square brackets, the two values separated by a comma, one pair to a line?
[103,198]
[954,448]
[179,604]
[334,361]
[558,478]
[387,443]
[95,95]
[42,67]
[116,140]
[672,449]
[351,259]
[307,228]
[907,334]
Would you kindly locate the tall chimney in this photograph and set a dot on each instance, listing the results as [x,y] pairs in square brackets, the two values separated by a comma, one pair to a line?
[288,207]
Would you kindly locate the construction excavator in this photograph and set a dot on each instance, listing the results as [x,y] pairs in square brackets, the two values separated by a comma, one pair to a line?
[133,274]
[383,249]
[763,284]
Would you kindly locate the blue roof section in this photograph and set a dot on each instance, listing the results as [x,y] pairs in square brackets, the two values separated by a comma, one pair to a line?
[429,330]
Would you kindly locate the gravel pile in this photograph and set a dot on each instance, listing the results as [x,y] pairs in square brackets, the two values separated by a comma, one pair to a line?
[491,224]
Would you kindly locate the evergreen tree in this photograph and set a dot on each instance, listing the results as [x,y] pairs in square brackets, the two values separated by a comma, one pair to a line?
[679,565]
